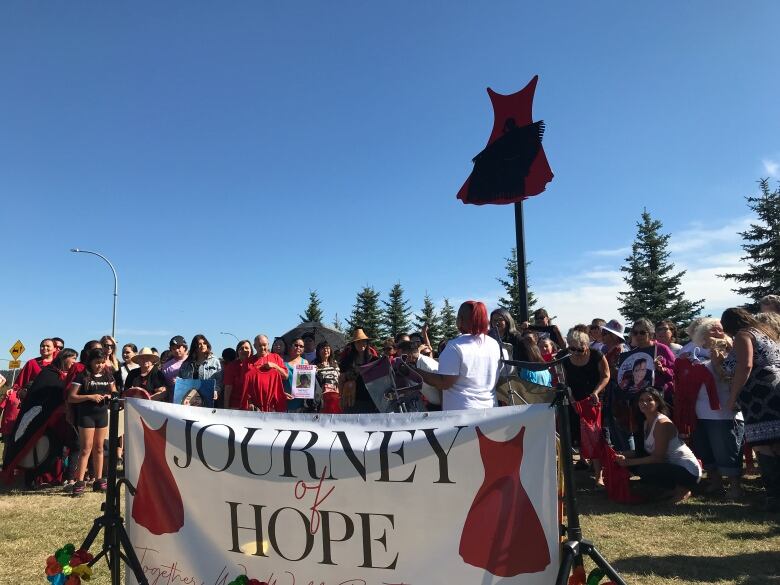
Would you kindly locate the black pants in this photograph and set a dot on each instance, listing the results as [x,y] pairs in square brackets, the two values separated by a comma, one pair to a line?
[665,475]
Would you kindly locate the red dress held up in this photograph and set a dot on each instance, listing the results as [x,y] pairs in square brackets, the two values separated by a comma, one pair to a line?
[502,533]
[157,505]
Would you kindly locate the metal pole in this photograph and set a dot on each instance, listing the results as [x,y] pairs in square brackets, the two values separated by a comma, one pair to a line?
[116,284]
[522,281]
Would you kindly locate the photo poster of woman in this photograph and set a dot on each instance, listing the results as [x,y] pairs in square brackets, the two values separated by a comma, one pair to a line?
[304,379]
[636,369]
[205,388]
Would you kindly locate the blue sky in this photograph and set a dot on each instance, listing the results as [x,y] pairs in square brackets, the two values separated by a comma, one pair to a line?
[229,158]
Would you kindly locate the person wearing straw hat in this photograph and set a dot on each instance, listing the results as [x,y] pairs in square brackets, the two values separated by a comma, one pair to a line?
[354,394]
[147,376]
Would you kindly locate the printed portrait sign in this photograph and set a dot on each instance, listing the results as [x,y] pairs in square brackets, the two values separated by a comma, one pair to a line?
[194,392]
[435,498]
[304,380]
[636,369]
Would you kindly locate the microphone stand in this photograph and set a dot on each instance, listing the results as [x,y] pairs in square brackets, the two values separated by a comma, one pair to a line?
[503,362]
[574,546]
[115,537]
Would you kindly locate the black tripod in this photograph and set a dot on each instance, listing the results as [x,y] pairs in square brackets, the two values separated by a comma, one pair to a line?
[574,547]
[115,537]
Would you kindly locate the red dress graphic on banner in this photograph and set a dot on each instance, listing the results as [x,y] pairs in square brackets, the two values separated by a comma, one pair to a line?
[502,533]
[157,504]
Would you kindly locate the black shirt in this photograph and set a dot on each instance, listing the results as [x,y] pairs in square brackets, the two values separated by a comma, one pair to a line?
[97,384]
[150,382]
[583,379]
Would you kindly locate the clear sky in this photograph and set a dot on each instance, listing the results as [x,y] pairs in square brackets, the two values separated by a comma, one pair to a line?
[230,157]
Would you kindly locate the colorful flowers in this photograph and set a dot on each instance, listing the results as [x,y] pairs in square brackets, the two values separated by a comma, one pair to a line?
[68,566]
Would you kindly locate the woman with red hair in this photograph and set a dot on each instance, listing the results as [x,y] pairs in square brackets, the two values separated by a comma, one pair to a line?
[468,366]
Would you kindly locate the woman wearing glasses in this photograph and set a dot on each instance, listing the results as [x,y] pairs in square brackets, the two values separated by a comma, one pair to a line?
[587,375]
[109,347]
[642,338]
[670,464]
[666,333]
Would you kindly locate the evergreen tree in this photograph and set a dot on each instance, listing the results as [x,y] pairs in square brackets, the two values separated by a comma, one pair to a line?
[366,314]
[428,315]
[395,318]
[511,302]
[653,286]
[313,311]
[762,248]
[337,323]
[449,323]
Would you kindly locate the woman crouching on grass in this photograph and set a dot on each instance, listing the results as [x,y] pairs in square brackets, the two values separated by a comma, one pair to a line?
[89,391]
[670,464]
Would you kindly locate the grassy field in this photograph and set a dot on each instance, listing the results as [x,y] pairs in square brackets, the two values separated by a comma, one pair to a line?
[704,540]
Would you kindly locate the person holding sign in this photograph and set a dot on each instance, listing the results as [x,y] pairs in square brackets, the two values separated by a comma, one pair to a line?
[642,338]
[294,358]
[202,364]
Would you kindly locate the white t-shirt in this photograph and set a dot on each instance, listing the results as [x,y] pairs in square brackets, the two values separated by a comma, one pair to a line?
[474,359]
[703,410]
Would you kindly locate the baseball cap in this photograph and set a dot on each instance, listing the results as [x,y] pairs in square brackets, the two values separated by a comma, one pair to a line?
[177,340]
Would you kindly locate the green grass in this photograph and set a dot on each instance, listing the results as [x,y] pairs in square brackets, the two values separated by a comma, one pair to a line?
[704,540]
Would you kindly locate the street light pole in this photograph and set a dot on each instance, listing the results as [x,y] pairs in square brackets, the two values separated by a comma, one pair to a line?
[227,333]
[116,284]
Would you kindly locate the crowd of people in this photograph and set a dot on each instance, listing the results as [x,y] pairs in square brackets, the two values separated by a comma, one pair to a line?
[703,407]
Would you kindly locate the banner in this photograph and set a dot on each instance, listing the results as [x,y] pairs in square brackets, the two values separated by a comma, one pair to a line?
[419,499]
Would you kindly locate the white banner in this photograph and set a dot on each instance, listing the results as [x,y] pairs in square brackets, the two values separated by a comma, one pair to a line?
[418,499]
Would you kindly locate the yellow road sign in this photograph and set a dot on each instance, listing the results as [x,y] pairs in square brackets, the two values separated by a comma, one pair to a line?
[14,364]
[17,349]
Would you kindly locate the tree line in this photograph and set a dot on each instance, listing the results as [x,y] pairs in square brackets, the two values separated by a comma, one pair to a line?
[653,285]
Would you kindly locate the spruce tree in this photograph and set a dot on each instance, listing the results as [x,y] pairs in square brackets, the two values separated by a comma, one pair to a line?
[428,315]
[395,317]
[511,302]
[654,289]
[762,248]
[366,314]
[449,323]
[337,323]
[314,310]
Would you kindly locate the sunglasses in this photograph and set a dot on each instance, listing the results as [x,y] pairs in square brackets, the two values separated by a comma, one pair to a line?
[112,346]
[577,349]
